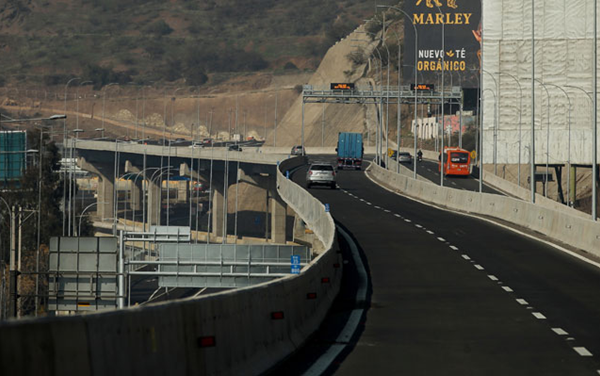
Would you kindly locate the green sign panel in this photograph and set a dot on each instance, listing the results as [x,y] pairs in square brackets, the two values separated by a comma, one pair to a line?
[13,146]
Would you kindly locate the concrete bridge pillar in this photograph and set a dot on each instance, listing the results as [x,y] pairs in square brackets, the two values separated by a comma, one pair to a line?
[136,194]
[278,209]
[106,186]
[154,201]
[218,207]
[183,190]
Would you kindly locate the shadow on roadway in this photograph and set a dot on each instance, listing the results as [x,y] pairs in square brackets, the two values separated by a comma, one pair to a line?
[336,318]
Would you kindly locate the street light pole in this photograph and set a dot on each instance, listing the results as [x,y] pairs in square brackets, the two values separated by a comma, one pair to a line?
[416,82]
[64,199]
[442,90]
[569,142]
[520,113]
[496,120]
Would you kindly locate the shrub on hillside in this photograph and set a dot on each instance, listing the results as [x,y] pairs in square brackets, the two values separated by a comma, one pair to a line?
[159,28]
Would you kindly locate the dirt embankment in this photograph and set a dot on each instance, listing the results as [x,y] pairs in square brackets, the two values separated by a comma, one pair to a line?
[250,105]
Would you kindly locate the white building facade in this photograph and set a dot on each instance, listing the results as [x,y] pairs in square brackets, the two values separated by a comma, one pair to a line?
[563,70]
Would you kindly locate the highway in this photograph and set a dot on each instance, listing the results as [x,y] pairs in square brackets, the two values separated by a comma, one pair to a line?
[450,294]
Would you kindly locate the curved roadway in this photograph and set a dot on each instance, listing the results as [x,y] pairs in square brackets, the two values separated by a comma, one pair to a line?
[450,294]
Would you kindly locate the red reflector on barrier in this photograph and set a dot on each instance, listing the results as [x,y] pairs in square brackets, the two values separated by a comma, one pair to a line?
[325,280]
[208,341]
[278,315]
[311,295]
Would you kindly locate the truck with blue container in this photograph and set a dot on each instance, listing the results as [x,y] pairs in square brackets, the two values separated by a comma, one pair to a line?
[350,150]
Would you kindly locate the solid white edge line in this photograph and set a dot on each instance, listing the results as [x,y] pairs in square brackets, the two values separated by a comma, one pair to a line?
[556,246]
[334,350]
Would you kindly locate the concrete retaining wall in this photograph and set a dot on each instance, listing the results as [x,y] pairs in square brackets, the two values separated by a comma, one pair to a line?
[560,225]
[241,332]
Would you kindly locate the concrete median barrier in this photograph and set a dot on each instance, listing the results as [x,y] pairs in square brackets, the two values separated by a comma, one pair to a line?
[557,223]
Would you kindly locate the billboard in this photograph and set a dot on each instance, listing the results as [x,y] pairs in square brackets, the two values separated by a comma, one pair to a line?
[13,146]
[459,21]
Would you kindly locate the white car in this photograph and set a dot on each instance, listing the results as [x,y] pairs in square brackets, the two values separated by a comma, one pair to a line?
[321,174]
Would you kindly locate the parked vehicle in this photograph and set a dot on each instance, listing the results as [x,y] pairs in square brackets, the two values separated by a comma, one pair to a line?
[320,173]
[350,150]
[235,147]
[297,150]
[456,161]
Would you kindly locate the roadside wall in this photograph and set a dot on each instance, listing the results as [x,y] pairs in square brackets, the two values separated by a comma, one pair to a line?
[559,225]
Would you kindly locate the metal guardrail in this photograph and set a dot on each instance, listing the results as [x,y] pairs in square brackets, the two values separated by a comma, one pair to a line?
[220,265]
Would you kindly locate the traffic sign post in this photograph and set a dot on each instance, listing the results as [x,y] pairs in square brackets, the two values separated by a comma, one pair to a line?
[295,260]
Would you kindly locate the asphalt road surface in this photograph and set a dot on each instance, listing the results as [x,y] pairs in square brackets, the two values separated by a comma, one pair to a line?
[451,294]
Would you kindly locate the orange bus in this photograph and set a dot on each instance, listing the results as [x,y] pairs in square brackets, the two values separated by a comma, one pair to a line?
[456,161]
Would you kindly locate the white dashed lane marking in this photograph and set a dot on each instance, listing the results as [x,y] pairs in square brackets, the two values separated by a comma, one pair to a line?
[398,215]
[522,302]
[493,277]
[454,248]
[430,232]
[582,351]
[507,289]
[538,315]
[407,220]
[478,267]
[441,239]
[368,203]
[387,211]
[418,225]
[466,257]
[560,331]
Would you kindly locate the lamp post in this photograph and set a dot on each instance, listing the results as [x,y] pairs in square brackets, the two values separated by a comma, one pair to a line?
[416,82]
[520,113]
[64,211]
[105,89]
[72,166]
[569,142]
[595,120]
[496,120]
[12,258]
[387,94]
[442,90]
[100,130]
[77,102]
[481,135]
[169,155]
[547,135]
[83,212]
[592,103]
[379,123]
